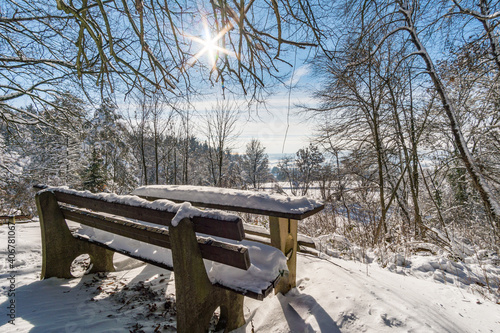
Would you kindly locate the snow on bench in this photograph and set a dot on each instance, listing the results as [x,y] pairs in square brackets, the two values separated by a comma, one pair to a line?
[261,203]
[266,261]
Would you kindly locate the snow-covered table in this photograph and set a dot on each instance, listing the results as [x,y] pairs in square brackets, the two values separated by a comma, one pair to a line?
[283,211]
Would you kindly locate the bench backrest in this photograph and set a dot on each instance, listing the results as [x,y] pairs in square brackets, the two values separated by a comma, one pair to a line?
[122,215]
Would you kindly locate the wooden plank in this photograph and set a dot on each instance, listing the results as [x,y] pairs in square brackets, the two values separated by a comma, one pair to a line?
[17,217]
[267,241]
[258,296]
[127,253]
[310,251]
[257,211]
[306,243]
[247,293]
[256,230]
[232,229]
[225,253]
[263,232]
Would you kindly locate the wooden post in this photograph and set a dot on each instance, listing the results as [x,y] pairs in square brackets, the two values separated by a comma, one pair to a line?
[12,219]
[196,297]
[59,247]
[284,237]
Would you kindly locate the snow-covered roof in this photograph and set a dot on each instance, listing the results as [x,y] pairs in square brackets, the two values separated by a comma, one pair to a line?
[235,200]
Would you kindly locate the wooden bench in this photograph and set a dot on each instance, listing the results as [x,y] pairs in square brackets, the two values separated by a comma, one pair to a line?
[154,223]
[14,218]
[284,213]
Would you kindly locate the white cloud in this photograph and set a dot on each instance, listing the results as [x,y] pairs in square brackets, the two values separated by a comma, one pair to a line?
[299,73]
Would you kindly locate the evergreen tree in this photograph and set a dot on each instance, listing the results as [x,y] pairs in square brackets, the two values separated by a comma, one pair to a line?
[109,134]
[56,151]
[94,176]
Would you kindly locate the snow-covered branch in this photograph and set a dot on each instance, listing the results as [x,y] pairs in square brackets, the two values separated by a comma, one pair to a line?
[475,13]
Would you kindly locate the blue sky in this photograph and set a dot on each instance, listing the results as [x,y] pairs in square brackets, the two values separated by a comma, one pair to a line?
[278,125]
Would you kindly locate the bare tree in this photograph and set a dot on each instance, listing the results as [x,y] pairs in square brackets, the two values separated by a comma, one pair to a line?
[488,19]
[406,22]
[354,98]
[255,164]
[288,171]
[220,131]
[406,9]
[34,58]
[139,127]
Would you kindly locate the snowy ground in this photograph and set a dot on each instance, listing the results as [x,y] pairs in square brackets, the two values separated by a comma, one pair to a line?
[333,295]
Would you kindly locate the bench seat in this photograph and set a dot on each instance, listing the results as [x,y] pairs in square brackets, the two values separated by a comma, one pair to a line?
[266,262]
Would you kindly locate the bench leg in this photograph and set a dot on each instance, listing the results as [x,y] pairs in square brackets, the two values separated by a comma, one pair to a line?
[284,237]
[196,297]
[59,247]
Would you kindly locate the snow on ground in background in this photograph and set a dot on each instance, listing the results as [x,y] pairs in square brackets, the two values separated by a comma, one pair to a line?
[332,295]
[230,197]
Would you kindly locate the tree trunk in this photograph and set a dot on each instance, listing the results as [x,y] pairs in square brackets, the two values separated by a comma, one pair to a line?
[156,143]
[143,158]
[489,30]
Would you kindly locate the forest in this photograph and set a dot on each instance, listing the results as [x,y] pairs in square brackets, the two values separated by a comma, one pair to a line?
[97,95]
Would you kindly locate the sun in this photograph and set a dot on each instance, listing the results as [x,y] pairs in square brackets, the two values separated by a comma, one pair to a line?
[210,45]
